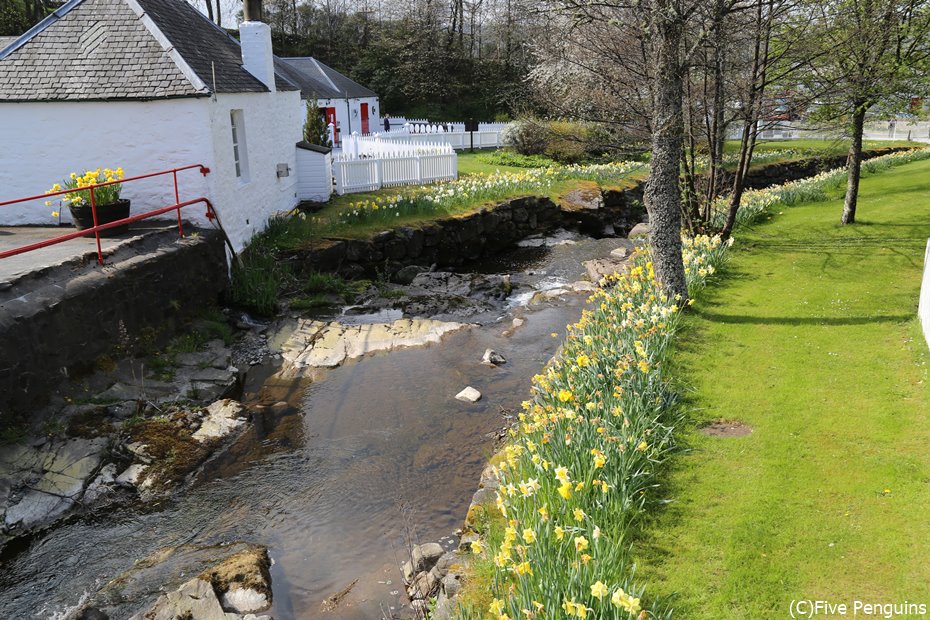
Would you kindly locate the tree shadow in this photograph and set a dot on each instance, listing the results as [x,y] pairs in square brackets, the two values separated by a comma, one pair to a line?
[738,319]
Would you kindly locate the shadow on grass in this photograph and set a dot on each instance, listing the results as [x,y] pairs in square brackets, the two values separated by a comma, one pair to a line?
[835,245]
[792,320]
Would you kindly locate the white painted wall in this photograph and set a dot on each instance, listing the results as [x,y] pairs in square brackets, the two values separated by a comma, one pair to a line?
[348,114]
[273,125]
[42,143]
[314,175]
[923,307]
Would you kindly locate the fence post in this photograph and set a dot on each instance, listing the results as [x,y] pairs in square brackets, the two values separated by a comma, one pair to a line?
[339,169]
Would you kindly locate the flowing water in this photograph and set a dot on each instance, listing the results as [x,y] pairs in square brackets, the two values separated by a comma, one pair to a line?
[369,456]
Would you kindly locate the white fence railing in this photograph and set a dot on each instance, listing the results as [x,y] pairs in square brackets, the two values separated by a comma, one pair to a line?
[454,134]
[458,140]
[365,173]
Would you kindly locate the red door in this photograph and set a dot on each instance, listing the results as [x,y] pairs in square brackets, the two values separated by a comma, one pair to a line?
[364,113]
[331,120]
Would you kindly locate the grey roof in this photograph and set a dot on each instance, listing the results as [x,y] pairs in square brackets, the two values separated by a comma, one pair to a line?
[316,148]
[91,49]
[4,41]
[205,46]
[124,49]
[317,80]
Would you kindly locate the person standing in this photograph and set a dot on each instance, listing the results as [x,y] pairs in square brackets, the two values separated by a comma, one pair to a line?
[387,122]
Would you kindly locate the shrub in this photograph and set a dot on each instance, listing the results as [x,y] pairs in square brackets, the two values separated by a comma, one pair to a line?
[515,160]
[256,279]
[564,141]
[526,137]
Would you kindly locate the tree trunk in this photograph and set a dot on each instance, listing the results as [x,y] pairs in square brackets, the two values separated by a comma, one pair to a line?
[854,166]
[754,112]
[210,9]
[663,193]
[748,143]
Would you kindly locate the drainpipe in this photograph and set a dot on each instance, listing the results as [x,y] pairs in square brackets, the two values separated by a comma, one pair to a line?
[348,110]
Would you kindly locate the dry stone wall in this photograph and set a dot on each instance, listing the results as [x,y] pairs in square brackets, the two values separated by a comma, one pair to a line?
[81,313]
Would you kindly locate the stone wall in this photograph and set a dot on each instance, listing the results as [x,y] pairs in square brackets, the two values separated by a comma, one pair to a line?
[454,241]
[777,174]
[77,315]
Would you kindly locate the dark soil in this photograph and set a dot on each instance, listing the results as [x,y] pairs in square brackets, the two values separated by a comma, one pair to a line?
[726,429]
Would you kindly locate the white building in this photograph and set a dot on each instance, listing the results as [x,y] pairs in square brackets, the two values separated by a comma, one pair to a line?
[347,105]
[148,85]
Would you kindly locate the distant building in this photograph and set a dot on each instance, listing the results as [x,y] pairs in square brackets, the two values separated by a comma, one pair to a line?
[348,106]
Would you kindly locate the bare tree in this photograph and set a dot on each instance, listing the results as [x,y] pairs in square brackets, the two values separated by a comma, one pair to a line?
[863,52]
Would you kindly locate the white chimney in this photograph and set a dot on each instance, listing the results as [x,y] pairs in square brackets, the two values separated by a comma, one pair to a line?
[255,38]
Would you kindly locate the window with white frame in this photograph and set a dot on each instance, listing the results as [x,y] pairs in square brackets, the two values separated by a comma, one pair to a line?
[240,152]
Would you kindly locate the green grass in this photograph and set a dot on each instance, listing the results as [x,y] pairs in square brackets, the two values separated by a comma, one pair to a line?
[829,147]
[809,338]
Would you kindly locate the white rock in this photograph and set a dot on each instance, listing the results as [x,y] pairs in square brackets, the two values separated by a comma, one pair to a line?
[131,476]
[194,599]
[620,253]
[244,600]
[518,322]
[223,417]
[583,286]
[469,395]
[327,345]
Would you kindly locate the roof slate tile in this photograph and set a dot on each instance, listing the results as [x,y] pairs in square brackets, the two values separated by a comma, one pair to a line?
[101,49]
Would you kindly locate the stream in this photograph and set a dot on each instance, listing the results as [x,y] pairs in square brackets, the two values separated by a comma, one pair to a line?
[368,457]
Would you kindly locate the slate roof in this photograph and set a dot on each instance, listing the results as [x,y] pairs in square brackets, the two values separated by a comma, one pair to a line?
[124,49]
[4,41]
[205,46]
[317,80]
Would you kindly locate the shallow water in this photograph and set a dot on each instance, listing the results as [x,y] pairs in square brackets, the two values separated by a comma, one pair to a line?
[371,455]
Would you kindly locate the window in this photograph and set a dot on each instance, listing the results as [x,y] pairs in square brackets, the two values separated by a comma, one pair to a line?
[240,152]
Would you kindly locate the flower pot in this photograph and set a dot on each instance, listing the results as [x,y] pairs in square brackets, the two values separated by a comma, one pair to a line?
[82,217]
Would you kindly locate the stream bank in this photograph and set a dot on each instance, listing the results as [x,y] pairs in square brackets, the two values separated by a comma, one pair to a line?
[342,466]
[330,461]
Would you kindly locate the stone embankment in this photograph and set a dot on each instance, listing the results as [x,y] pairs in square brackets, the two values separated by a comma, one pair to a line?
[456,241]
[63,318]
[777,174]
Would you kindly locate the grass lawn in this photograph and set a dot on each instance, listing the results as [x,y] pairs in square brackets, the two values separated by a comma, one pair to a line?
[823,147]
[809,338]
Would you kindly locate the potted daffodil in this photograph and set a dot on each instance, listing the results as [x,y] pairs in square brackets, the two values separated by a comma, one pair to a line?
[110,207]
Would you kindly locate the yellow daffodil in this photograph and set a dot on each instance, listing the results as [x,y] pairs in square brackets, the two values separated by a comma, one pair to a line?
[581,543]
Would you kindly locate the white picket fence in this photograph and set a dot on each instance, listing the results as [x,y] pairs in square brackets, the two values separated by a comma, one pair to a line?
[453,134]
[368,171]
[458,140]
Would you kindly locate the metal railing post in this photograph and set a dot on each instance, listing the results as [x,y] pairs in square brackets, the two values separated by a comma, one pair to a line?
[93,212]
[177,200]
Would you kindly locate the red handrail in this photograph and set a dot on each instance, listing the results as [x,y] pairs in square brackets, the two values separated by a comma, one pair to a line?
[96,228]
